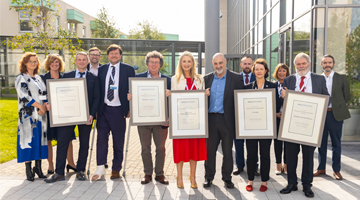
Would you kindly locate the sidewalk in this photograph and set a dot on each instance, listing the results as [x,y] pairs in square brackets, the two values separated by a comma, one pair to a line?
[13,183]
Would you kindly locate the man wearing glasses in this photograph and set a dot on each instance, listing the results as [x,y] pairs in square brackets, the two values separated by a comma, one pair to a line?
[94,55]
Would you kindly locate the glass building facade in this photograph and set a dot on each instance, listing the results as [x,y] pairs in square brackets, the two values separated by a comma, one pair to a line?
[278,30]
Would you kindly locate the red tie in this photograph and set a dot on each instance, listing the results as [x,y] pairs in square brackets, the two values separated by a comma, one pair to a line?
[302,83]
[247,78]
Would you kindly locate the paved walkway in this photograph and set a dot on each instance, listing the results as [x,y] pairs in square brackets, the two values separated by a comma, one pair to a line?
[14,186]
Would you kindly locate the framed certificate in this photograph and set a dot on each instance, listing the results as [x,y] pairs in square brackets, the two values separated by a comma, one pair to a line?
[188,114]
[148,105]
[69,101]
[303,118]
[255,112]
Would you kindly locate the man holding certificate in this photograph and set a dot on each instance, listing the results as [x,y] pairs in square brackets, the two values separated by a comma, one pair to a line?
[222,84]
[65,133]
[302,81]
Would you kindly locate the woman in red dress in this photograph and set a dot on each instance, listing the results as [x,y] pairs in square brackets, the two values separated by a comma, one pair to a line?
[188,150]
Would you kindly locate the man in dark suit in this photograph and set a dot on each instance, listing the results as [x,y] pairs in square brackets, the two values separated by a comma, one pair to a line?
[222,84]
[65,133]
[94,65]
[339,91]
[154,61]
[302,81]
[113,110]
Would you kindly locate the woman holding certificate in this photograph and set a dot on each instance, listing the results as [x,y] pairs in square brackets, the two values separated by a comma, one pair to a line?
[281,72]
[188,150]
[31,136]
[261,71]
[54,65]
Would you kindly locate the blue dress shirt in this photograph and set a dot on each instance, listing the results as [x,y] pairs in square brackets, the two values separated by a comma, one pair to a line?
[217,94]
[77,73]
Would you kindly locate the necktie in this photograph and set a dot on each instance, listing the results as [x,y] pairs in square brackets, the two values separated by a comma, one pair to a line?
[110,94]
[81,74]
[247,78]
[302,83]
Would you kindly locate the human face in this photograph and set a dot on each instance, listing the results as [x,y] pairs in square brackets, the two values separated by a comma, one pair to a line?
[219,63]
[114,56]
[327,64]
[154,65]
[186,64]
[281,74]
[259,71]
[32,64]
[302,66]
[54,66]
[81,62]
[94,57]
[246,65]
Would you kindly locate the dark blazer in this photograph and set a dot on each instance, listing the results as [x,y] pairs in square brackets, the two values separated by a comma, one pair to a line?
[252,77]
[48,76]
[93,90]
[267,85]
[318,83]
[234,81]
[126,71]
[340,95]
[168,79]
[88,66]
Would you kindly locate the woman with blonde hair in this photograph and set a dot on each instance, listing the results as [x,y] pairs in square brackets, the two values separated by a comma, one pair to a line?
[54,64]
[188,150]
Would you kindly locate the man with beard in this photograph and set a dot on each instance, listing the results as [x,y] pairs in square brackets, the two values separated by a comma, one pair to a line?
[302,81]
[94,55]
[246,64]
[222,84]
[339,91]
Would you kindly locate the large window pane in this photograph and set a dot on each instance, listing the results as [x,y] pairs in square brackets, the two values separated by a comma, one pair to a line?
[251,13]
[301,35]
[319,2]
[260,50]
[288,11]
[268,5]
[261,8]
[256,34]
[261,30]
[275,22]
[318,31]
[300,6]
[267,24]
[266,51]
[274,51]
[344,1]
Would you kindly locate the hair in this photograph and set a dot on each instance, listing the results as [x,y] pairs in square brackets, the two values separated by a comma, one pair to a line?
[94,49]
[328,56]
[245,57]
[81,53]
[261,61]
[180,71]
[281,66]
[50,59]
[302,55]
[154,54]
[25,59]
[112,48]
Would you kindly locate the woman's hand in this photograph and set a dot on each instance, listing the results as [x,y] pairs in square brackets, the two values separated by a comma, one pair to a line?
[47,105]
[129,96]
[168,93]
[278,115]
[283,92]
[42,109]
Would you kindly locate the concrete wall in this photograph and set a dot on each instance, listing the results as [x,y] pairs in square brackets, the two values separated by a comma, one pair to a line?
[223,27]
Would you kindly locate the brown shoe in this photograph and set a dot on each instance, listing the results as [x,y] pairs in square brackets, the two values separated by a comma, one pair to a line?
[319,172]
[162,179]
[337,176]
[147,178]
[114,175]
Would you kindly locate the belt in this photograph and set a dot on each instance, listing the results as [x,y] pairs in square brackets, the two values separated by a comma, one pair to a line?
[329,109]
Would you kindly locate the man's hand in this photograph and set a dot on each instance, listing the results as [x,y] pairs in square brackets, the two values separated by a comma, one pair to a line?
[47,105]
[128,116]
[168,93]
[207,92]
[129,96]
[42,109]
[278,115]
[283,92]
[90,120]
[166,124]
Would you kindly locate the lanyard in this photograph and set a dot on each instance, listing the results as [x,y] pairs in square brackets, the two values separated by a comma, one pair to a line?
[187,87]
[37,83]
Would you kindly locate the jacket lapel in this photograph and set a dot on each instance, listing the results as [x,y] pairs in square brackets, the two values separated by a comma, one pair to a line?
[122,76]
[227,83]
[335,80]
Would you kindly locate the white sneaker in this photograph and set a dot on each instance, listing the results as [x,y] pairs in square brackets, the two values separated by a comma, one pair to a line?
[100,171]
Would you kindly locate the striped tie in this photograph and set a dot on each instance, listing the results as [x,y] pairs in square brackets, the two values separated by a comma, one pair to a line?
[110,94]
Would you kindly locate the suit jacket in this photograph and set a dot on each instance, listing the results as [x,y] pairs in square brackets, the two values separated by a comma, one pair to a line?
[340,95]
[48,76]
[168,79]
[267,85]
[252,77]
[88,66]
[125,71]
[199,83]
[234,81]
[318,83]
[93,90]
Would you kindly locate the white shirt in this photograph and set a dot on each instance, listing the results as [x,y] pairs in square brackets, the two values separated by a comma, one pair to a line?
[244,77]
[94,70]
[149,75]
[307,83]
[116,100]
[329,83]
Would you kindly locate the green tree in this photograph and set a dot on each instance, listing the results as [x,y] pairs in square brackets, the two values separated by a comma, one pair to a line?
[105,25]
[45,37]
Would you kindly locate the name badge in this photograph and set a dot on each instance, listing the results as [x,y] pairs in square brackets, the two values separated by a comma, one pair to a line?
[113,87]
[42,97]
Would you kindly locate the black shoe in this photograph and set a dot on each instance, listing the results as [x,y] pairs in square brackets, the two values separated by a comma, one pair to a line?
[289,188]
[257,172]
[28,172]
[68,167]
[229,184]
[238,171]
[207,183]
[54,178]
[37,169]
[51,171]
[307,191]
[81,176]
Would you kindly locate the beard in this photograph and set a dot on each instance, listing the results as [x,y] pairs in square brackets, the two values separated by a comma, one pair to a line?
[219,71]
[303,71]
[326,69]
[247,70]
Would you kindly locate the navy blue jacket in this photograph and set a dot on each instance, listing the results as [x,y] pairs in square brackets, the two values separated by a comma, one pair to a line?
[252,77]
[48,76]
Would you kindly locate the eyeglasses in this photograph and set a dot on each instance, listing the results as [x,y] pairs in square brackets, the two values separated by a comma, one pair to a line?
[95,55]
[156,63]
[33,62]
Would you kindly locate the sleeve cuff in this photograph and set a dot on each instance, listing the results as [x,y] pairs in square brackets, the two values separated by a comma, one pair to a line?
[45,101]
[30,103]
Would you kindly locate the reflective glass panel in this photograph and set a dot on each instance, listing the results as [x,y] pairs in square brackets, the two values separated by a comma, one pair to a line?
[301,6]
[274,60]
[275,22]
[319,33]
[301,36]
[261,30]
[343,1]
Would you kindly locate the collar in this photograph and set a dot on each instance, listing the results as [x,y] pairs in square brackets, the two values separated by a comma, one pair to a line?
[330,75]
[149,75]
[78,72]
[117,65]
[216,77]
[94,67]
[306,75]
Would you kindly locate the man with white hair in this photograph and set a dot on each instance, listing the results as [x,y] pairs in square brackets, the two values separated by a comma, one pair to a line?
[302,81]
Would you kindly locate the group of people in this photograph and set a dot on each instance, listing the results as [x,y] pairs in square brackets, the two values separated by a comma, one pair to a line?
[108,100]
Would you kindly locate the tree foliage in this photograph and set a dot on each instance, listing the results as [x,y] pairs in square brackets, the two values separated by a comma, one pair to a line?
[45,37]
[105,25]
[146,31]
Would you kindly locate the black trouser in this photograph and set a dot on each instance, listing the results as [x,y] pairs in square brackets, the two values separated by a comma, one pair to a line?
[252,153]
[218,130]
[292,161]
[64,136]
[278,145]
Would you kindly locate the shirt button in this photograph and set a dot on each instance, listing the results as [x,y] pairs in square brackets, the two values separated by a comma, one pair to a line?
[215,100]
